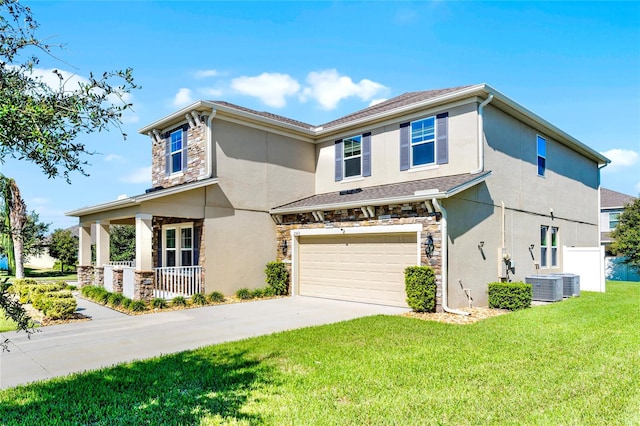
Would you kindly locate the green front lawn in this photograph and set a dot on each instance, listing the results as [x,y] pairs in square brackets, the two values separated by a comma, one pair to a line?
[571,363]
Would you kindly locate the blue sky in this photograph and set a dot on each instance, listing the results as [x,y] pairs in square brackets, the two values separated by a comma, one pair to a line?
[575,64]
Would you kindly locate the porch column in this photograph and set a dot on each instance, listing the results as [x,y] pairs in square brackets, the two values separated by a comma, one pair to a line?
[102,242]
[84,252]
[144,234]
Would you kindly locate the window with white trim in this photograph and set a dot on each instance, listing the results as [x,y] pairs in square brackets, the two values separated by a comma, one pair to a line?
[544,246]
[541,147]
[176,151]
[352,156]
[423,142]
[614,219]
[554,246]
[178,244]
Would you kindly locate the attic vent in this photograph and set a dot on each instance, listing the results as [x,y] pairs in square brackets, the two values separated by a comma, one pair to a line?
[350,191]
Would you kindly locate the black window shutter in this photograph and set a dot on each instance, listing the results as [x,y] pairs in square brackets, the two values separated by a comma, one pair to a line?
[404,146]
[159,244]
[366,154]
[185,130]
[442,141]
[196,245]
[339,152]
[167,154]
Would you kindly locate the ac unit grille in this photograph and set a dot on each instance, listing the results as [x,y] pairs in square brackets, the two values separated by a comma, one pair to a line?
[546,288]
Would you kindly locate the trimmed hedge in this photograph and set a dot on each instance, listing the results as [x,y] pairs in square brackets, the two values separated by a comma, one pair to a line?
[420,285]
[61,308]
[277,279]
[512,296]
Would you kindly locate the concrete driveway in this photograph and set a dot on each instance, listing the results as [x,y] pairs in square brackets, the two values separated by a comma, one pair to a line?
[111,337]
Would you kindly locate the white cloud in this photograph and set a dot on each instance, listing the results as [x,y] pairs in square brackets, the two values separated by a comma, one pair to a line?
[377,101]
[620,158]
[329,88]
[210,91]
[182,98]
[270,88]
[205,73]
[113,157]
[140,175]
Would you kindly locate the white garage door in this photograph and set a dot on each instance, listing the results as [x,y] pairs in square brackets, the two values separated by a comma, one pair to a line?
[362,268]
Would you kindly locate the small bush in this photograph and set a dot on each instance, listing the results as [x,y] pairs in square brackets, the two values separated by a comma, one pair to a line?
[277,278]
[62,308]
[71,287]
[158,303]
[137,306]
[199,299]
[126,303]
[257,293]
[115,299]
[41,301]
[179,301]
[512,296]
[420,284]
[216,297]
[244,294]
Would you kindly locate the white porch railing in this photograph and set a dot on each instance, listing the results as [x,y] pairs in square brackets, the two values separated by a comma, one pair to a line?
[122,262]
[177,281]
[107,282]
[128,278]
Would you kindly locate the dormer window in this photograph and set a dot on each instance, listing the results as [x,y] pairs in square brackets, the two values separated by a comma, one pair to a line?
[176,150]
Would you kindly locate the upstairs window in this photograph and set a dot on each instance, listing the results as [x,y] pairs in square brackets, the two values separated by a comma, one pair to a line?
[352,156]
[614,219]
[176,150]
[423,142]
[542,155]
[544,246]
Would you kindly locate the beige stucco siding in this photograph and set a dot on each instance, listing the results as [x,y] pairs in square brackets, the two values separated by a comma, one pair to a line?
[385,152]
[257,169]
[239,244]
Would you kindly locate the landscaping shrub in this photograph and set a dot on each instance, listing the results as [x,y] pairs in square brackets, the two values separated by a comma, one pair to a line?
[179,301]
[20,283]
[199,299]
[126,303]
[420,285]
[41,301]
[61,308]
[158,303]
[244,294]
[257,293]
[216,297]
[137,306]
[71,287]
[277,278]
[115,299]
[512,296]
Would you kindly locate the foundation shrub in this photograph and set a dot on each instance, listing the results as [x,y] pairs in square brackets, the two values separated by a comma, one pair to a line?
[126,303]
[42,301]
[257,293]
[216,297]
[61,308]
[158,303]
[244,294]
[179,301]
[115,299]
[420,285]
[277,278]
[199,299]
[137,306]
[512,296]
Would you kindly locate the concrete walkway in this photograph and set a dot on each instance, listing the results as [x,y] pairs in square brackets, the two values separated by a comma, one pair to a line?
[111,337]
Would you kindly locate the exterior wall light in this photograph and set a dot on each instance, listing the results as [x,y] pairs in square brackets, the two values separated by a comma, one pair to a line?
[284,247]
[428,246]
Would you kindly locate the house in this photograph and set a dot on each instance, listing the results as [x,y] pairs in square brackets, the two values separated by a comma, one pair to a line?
[611,205]
[463,179]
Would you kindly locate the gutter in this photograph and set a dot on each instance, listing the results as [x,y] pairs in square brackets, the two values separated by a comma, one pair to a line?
[444,259]
[480,168]
[210,147]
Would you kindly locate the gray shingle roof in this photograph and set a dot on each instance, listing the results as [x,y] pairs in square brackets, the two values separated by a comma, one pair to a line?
[442,184]
[388,105]
[610,199]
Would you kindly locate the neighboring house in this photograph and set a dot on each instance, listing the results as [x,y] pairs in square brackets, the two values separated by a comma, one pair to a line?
[611,205]
[463,179]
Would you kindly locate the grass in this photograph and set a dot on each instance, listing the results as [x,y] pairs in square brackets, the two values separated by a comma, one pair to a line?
[5,323]
[43,275]
[568,363]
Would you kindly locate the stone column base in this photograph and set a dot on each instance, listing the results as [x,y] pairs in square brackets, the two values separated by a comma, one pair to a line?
[85,275]
[144,282]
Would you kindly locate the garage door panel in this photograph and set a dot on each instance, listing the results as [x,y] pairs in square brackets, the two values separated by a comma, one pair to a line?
[366,268]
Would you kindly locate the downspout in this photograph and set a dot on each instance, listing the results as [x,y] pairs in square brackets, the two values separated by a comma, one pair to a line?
[444,259]
[209,142]
[480,168]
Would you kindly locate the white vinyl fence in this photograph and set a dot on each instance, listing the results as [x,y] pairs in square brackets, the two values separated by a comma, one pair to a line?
[128,280]
[588,262]
[177,281]
[107,282]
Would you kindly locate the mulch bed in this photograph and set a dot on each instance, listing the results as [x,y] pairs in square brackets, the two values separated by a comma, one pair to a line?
[476,314]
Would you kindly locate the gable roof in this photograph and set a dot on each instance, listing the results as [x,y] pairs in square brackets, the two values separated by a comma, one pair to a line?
[395,193]
[611,199]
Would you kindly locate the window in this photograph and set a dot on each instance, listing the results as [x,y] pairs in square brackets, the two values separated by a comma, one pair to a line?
[614,219]
[352,156]
[176,151]
[178,245]
[554,246]
[544,248]
[542,155]
[423,142]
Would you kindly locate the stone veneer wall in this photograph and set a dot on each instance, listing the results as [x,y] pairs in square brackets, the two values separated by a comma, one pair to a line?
[85,275]
[118,285]
[98,276]
[143,285]
[196,158]
[414,213]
